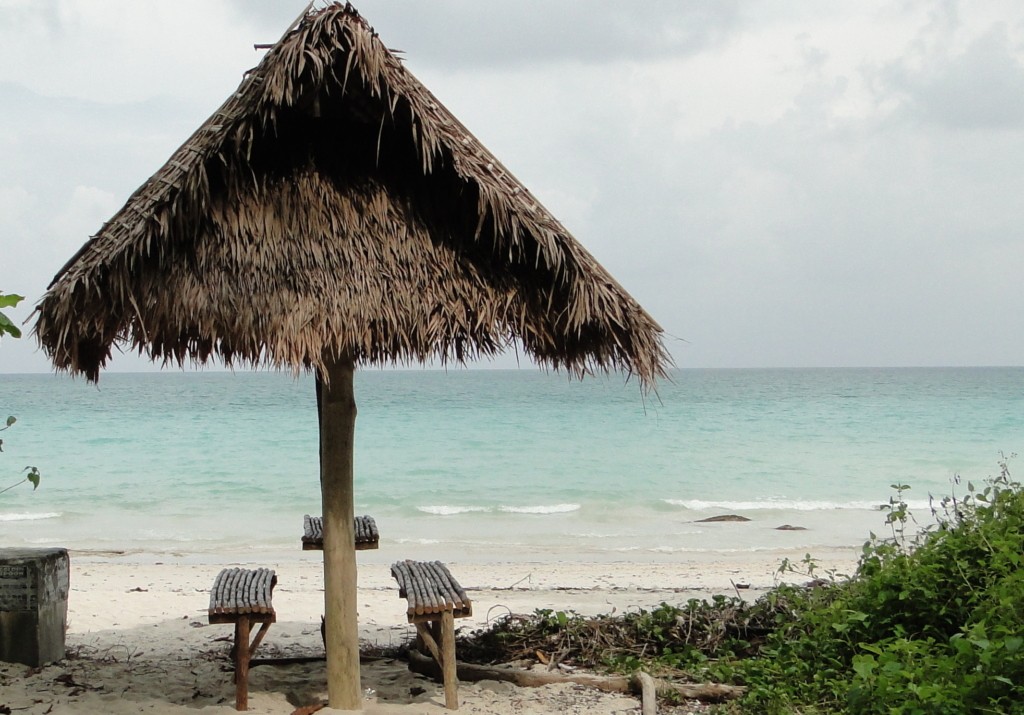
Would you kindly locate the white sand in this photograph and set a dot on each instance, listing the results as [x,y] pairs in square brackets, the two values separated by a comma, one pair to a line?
[139,642]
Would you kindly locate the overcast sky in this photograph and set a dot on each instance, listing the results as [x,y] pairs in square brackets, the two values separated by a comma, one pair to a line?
[780,184]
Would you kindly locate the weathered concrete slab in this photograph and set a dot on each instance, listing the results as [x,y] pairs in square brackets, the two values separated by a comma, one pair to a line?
[33,605]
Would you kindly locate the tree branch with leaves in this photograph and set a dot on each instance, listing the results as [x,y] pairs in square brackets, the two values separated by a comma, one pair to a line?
[6,324]
[8,327]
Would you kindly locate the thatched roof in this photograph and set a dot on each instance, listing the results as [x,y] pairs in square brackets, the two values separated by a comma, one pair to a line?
[333,206]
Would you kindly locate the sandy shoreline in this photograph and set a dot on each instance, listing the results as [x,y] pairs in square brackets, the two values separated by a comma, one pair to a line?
[139,641]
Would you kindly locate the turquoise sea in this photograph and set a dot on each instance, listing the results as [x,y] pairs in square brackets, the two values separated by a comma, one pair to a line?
[486,464]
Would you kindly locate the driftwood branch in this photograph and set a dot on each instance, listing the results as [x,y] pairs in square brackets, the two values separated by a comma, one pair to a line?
[649,694]
[706,692]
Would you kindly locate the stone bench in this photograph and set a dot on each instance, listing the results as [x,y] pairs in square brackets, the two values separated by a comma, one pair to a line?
[435,600]
[367,536]
[243,597]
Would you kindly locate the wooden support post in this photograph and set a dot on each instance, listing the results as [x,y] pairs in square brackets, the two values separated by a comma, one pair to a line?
[242,657]
[259,638]
[337,439]
[451,679]
[425,635]
[435,630]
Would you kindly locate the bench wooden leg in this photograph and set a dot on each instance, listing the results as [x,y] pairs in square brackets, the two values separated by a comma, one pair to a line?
[451,678]
[242,655]
[439,638]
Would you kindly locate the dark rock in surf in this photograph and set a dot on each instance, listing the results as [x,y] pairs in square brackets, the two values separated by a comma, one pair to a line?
[724,517]
[787,527]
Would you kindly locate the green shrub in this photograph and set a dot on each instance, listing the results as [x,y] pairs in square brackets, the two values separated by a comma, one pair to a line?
[932,626]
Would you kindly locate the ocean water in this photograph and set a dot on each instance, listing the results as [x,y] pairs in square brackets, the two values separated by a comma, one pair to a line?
[511,465]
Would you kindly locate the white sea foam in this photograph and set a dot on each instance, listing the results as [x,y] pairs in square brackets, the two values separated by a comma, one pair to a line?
[695,550]
[150,535]
[782,505]
[423,542]
[543,509]
[451,510]
[31,517]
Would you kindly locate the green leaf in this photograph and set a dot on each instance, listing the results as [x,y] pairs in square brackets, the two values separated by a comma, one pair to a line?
[11,420]
[9,301]
[864,666]
[33,476]
[6,326]
[1013,644]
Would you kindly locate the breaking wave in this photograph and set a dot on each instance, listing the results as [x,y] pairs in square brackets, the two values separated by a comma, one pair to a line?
[451,510]
[544,509]
[31,517]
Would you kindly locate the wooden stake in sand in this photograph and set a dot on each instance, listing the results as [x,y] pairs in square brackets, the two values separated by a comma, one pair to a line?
[337,440]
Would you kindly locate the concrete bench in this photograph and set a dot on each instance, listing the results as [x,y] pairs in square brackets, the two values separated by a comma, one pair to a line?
[243,597]
[367,536]
[34,586]
[435,600]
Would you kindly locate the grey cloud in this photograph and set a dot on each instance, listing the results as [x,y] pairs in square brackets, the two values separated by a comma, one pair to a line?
[982,88]
[56,153]
[52,146]
[270,16]
[815,241]
[55,143]
[23,17]
[468,33]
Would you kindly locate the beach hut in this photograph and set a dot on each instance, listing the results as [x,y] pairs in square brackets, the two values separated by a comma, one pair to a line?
[333,214]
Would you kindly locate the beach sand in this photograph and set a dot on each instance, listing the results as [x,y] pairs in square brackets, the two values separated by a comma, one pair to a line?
[139,642]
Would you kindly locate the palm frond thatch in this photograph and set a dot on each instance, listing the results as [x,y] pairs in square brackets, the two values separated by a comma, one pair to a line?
[333,206]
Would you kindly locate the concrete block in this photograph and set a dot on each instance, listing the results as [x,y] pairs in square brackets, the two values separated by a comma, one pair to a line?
[33,605]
